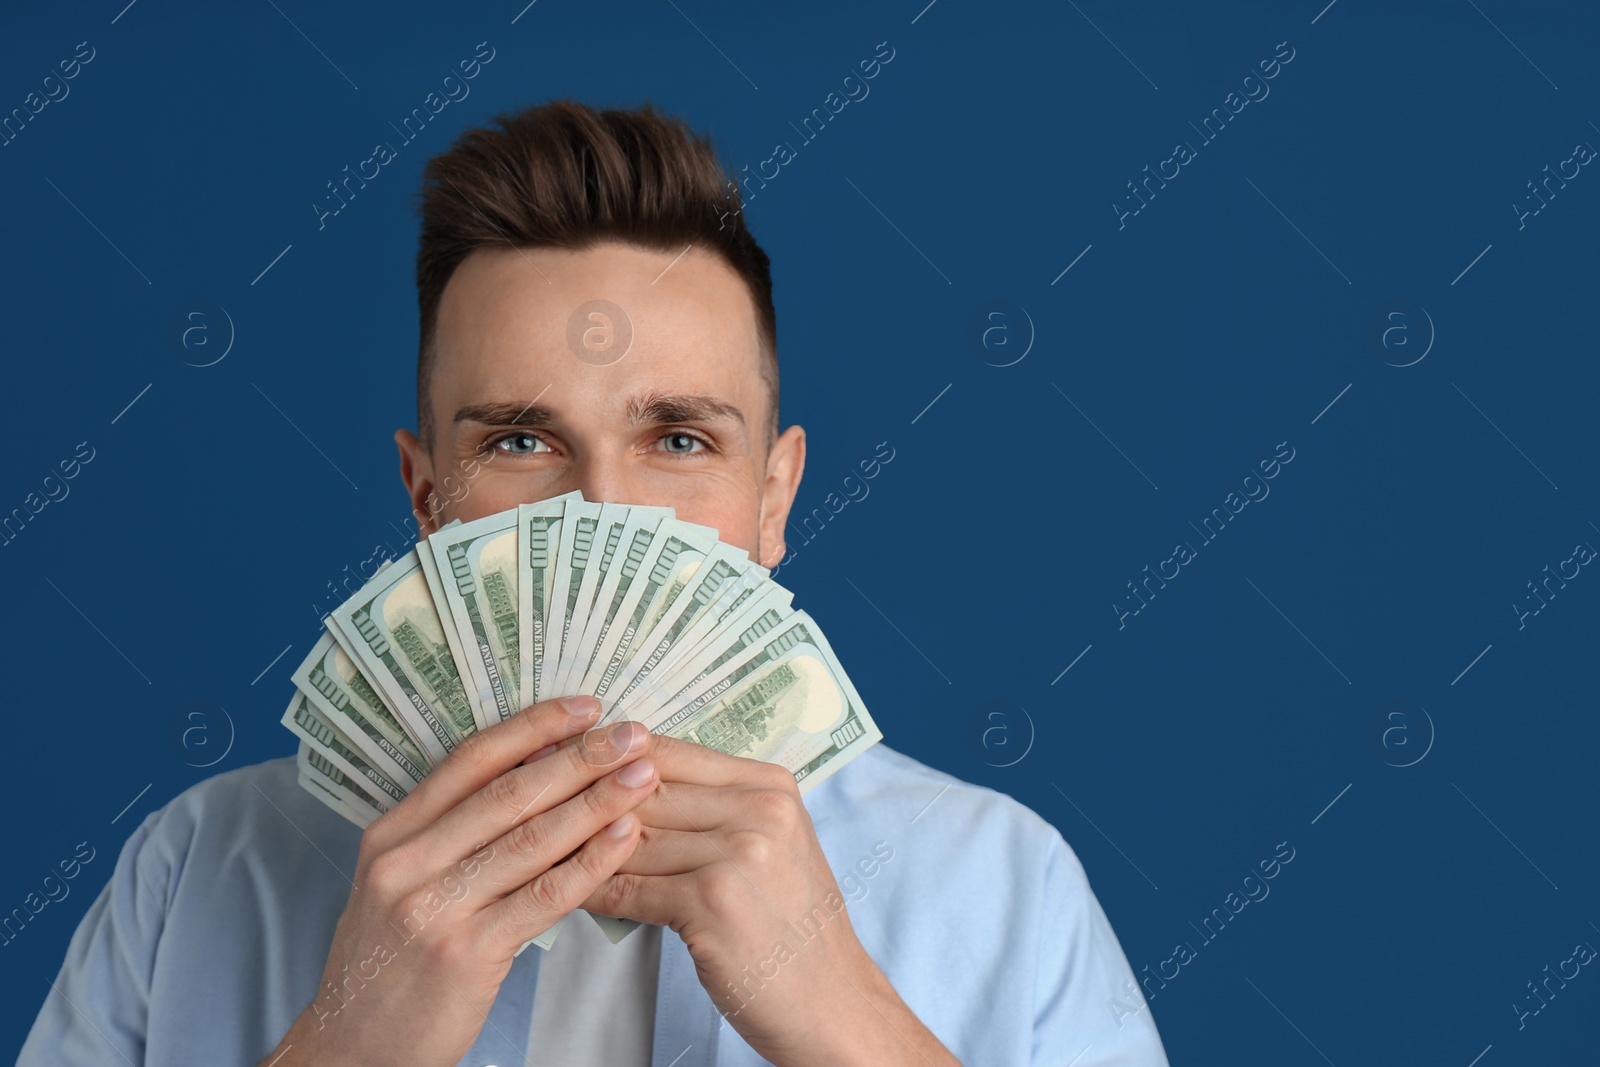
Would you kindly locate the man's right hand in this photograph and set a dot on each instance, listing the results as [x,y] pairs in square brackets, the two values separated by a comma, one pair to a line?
[509,833]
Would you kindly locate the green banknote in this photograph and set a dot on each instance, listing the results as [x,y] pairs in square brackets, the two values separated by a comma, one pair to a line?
[302,719]
[392,629]
[318,776]
[676,552]
[329,679]
[538,537]
[477,564]
[784,699]
[726,581]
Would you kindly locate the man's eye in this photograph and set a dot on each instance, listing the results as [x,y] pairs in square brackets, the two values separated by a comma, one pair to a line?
[682,444]
[519,444]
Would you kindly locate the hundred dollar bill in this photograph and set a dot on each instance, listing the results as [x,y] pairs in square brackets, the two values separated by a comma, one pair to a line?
[578,526]
[706,585]
[326,740]
[538,535]
[612,582]
[358,814]
[784,699]
[631,606]
[478,564]
[392,630]
[659,556]
[331,786]
[588,570]
[458,651]
[714,640]
[725,580]
[329,679]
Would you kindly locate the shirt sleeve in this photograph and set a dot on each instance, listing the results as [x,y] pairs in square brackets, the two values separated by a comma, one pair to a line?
[98,1005]
[1089,1009]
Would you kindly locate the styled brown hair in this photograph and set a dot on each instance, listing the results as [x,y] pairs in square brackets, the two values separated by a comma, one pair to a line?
[563,175]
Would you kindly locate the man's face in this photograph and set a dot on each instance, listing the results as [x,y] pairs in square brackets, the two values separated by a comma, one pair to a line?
[680,420]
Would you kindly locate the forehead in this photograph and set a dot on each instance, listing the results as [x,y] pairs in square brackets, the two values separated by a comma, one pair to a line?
[513,322]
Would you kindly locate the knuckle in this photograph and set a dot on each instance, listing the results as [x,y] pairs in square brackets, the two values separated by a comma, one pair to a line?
[475,751]
[672,751]
[778,777]
[543,897]
[721,889]
[372,845]
[599,800]
[451,950]
[775,807]
[616,892]
[531,837]
[388,873]
[534,721]
[384,826]
[750,848]
[508,793]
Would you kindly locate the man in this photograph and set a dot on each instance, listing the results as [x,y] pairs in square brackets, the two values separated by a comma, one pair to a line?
[595,315]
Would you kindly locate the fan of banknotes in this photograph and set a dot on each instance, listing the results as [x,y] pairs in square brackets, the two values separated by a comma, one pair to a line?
[659,618]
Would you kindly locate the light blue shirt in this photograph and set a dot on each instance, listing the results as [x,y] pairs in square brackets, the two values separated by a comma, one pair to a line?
[212,934]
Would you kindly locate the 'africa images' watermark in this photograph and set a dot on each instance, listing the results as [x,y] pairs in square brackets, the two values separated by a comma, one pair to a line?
[784,153]
[453,488]
[1255,889]
[1582,954]
[12,125]
[55,489]
[455,89]
[1582,554]
[1583,153]
[1185,152]
[808,929]
[855,489]
[54,889]
[1255,490]
[336,996]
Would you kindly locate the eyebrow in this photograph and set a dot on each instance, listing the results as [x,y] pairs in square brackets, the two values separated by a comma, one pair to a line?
[646,409]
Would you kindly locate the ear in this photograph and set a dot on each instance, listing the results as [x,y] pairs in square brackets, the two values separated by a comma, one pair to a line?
[416,470]
[785,463]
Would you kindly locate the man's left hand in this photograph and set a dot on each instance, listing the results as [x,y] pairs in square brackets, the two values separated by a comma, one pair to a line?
[729,859]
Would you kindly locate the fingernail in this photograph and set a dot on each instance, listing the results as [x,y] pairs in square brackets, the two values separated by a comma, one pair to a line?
[621,828]
[583,709]
[625,735]
[636,773]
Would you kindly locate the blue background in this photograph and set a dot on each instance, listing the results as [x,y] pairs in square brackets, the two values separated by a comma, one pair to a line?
[1442,858]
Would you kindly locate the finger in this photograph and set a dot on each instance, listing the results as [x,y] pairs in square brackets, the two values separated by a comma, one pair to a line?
[685,761]
[688,763]
[566,742]
[545,841]
[668,852]
[691,763]
[541,754]
[487,754]
[692,808]
[535,907]
[524,792]
[649,898]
